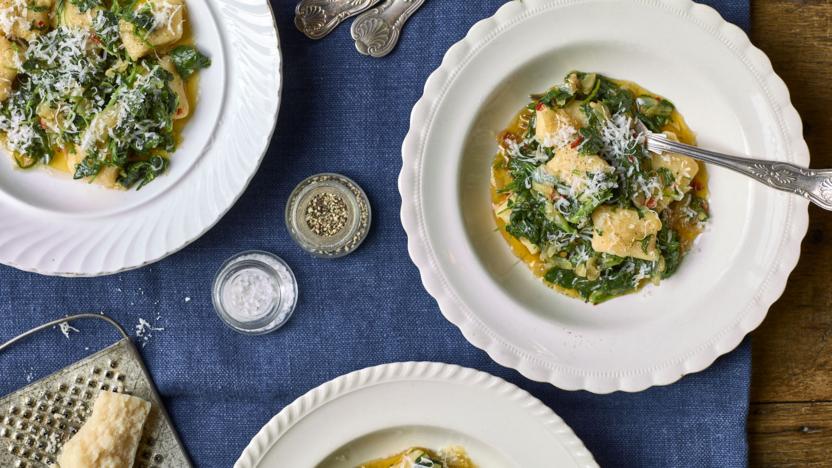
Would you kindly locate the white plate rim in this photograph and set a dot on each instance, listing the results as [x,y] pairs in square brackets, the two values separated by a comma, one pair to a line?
[225,201]
[505,353]
[281,423]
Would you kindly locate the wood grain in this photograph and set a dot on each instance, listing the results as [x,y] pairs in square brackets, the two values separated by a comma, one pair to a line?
[790,422]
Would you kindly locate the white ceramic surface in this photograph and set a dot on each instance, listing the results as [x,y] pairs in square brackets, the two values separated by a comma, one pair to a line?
[53,225]
[382,410]
[731,98]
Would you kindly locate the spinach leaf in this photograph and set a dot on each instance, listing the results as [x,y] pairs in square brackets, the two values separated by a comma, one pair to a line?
[616,98]
[143,19]
[671,249]
[90,166]
[654,113]
[188,60]
[142,172]
[85,5]
[614,281]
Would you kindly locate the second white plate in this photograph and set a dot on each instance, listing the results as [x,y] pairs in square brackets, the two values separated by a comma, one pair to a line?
[731,98]
[383,410]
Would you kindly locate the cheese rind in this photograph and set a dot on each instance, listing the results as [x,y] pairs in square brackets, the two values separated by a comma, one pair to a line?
[110,436]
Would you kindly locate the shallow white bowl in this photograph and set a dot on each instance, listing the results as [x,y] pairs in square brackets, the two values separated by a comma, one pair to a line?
[383,410]
[731,98]
[53,225]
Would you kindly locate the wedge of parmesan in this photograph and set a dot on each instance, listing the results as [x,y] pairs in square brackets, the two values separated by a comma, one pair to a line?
[111,435]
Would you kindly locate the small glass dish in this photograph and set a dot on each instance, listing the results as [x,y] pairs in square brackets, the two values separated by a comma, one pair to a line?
[254,292]
[356,211]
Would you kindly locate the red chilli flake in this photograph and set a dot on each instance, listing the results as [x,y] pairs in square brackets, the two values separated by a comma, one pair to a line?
[540,106]
[651,203]
[577,142]
[42,123]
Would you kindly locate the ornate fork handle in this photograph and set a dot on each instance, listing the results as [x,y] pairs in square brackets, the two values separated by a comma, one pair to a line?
[813,184]
[377,31]
[317,18]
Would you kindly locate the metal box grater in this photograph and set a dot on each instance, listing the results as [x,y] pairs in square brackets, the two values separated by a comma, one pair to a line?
[36,420]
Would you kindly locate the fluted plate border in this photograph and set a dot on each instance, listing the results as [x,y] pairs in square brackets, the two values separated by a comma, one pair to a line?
[39,242]
[663,370]
[414,372]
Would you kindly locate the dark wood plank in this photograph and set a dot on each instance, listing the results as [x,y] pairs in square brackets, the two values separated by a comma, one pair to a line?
[790,422]
[793,349]
[790,434]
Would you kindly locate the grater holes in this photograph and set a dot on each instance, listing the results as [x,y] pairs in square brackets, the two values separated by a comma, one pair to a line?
[14,411]
[92,383]
[74,391]
[112,363]
[105,387]
[20,464]
[79,379]
[87,394]
[120,377]
[95,371]
[109,374]
[158,458]
[27,414]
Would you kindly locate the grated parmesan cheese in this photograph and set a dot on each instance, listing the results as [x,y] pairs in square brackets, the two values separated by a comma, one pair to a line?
[65,328]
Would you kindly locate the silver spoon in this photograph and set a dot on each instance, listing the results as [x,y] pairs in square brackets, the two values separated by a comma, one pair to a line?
[317,18]
[377,31]
[812,184]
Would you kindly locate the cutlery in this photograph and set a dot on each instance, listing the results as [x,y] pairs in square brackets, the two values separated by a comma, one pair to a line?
[317,18]
[812,184]
[377,31]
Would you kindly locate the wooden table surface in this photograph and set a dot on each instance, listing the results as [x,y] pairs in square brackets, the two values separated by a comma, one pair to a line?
[790,422]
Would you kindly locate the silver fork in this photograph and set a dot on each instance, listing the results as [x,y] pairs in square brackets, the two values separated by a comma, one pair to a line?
[317,18]
[812,184]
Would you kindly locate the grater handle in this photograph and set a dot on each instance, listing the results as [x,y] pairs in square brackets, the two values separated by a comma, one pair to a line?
[60,321]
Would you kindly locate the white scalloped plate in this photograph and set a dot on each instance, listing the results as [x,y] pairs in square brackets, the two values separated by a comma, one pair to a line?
[729,95]
[52,225]
[382,410]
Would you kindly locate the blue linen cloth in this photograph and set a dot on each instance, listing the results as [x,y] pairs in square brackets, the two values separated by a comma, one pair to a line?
[344,113]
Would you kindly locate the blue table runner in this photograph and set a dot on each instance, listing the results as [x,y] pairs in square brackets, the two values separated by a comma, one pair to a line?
[343,113]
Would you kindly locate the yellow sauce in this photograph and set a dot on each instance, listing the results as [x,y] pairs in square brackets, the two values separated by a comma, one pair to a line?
[501,177]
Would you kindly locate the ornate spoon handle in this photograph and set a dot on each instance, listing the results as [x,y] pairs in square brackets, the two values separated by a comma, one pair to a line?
[813,184]
[376,32]
[317,18]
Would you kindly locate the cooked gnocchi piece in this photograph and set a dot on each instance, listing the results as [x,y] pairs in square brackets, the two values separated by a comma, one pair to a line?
[625,232]
[165,28]
[9,66]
